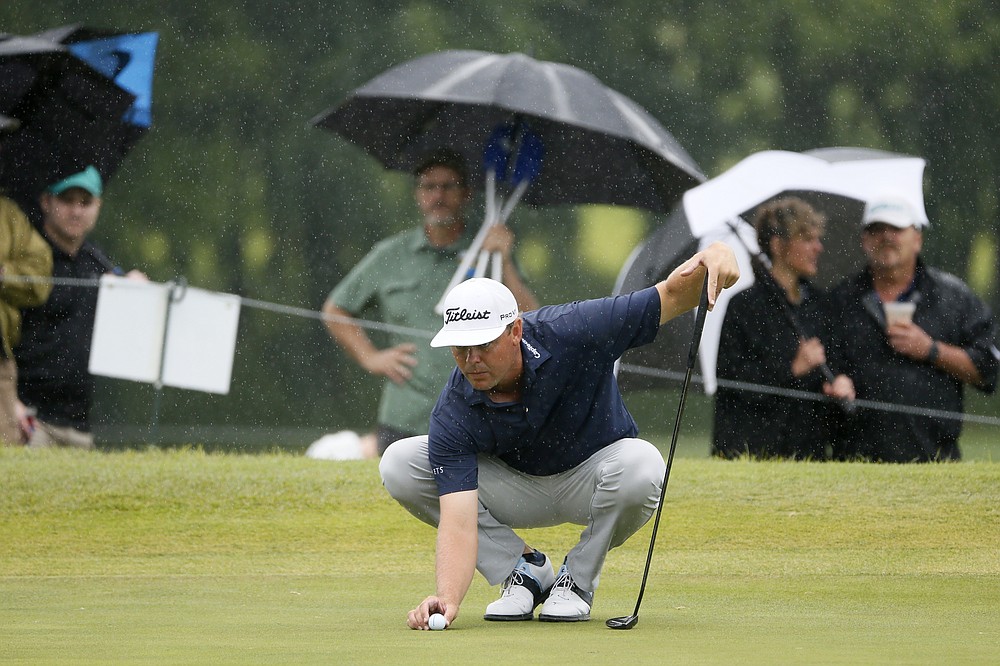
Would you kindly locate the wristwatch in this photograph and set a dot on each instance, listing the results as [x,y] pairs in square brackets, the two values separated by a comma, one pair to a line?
[932,355]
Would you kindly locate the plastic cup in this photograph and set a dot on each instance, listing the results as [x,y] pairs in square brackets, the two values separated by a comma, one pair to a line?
[898,312]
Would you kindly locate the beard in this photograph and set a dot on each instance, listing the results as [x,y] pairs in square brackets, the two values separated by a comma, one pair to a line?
[442,219]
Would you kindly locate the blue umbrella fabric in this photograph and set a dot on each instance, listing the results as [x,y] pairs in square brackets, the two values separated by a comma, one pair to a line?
[128,60]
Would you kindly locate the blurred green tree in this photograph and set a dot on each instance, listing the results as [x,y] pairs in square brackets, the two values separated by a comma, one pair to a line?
[235,191]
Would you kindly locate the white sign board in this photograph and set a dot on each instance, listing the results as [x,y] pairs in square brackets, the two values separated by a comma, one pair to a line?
[161,333]
[128,329]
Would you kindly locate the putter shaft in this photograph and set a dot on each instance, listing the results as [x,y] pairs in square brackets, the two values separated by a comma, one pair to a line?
[699,325]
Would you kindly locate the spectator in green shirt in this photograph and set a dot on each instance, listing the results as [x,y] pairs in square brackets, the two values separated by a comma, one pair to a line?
[405,276]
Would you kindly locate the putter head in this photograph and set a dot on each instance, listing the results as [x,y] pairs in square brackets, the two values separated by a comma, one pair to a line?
[623,622]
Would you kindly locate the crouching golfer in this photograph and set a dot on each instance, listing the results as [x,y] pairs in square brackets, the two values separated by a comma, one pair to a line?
[532,431]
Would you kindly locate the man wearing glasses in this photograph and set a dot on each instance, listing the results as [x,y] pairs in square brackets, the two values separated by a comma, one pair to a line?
[404,277]
[910,334]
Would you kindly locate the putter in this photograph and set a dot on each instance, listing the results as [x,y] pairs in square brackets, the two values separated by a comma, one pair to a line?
[699,324]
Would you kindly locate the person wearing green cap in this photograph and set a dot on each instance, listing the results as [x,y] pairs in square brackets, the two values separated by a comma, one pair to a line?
[54,351]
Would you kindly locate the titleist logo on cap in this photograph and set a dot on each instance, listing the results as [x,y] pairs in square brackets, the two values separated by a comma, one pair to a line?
[461,314]
[475,312]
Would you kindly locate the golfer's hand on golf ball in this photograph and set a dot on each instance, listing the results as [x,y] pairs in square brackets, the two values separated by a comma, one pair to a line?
[419,617]
[394,363]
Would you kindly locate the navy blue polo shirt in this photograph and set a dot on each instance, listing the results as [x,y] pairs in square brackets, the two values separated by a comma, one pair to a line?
[570,404]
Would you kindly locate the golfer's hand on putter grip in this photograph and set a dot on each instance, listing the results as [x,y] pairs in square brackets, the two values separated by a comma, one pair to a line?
[723,271]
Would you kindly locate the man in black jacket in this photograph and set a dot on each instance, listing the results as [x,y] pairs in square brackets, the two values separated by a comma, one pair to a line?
[922,362]
[54,353]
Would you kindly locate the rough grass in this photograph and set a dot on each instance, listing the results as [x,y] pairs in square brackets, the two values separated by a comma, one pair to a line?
[188,557]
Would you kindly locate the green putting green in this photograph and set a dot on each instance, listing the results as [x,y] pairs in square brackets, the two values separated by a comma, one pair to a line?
[187,557]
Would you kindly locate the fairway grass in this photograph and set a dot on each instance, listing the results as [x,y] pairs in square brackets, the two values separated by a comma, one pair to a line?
[181,556]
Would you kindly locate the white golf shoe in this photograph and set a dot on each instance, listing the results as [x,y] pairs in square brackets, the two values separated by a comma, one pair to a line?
[525,588]
[566,602]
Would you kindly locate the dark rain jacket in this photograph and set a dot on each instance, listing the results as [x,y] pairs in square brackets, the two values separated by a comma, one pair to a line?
[949,312]
[54,354]
[757,345]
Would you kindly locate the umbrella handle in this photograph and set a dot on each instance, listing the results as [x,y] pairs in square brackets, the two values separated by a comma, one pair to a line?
[496,267]
[484,258]
[495,260]
[477,242]
[512,200]
[463,267]
[491,193]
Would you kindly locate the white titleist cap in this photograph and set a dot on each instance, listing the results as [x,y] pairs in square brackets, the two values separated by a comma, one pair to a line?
[893,210]
[475,312]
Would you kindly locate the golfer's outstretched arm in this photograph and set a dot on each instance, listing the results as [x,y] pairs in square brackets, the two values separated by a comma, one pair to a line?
[681,290]
[457,548]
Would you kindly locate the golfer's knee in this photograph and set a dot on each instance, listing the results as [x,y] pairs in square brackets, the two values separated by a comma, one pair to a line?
[642,469]
[403,466]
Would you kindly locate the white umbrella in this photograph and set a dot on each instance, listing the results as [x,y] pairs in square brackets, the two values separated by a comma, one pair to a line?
[837,181]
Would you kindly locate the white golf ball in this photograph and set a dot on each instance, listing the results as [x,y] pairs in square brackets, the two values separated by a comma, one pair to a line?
[437,622]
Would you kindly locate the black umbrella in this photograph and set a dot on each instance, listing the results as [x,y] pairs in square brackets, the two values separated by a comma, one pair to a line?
[552,133]
[70,115]
[835,181]
[599,146]
[128,58]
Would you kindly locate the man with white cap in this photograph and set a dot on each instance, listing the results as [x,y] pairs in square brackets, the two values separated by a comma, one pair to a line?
[943,340]
[531,431]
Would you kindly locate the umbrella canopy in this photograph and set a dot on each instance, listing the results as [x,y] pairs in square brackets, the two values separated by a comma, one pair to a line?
[599,146]
[835,181]
[128,60]
[34,67]
[70,113]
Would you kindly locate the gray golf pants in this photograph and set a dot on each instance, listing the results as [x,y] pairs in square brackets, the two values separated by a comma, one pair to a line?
[612,494]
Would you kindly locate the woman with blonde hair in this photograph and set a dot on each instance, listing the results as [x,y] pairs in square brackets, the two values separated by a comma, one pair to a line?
[772,335]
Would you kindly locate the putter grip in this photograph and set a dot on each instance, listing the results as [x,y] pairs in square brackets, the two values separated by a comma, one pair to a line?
[699,323]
